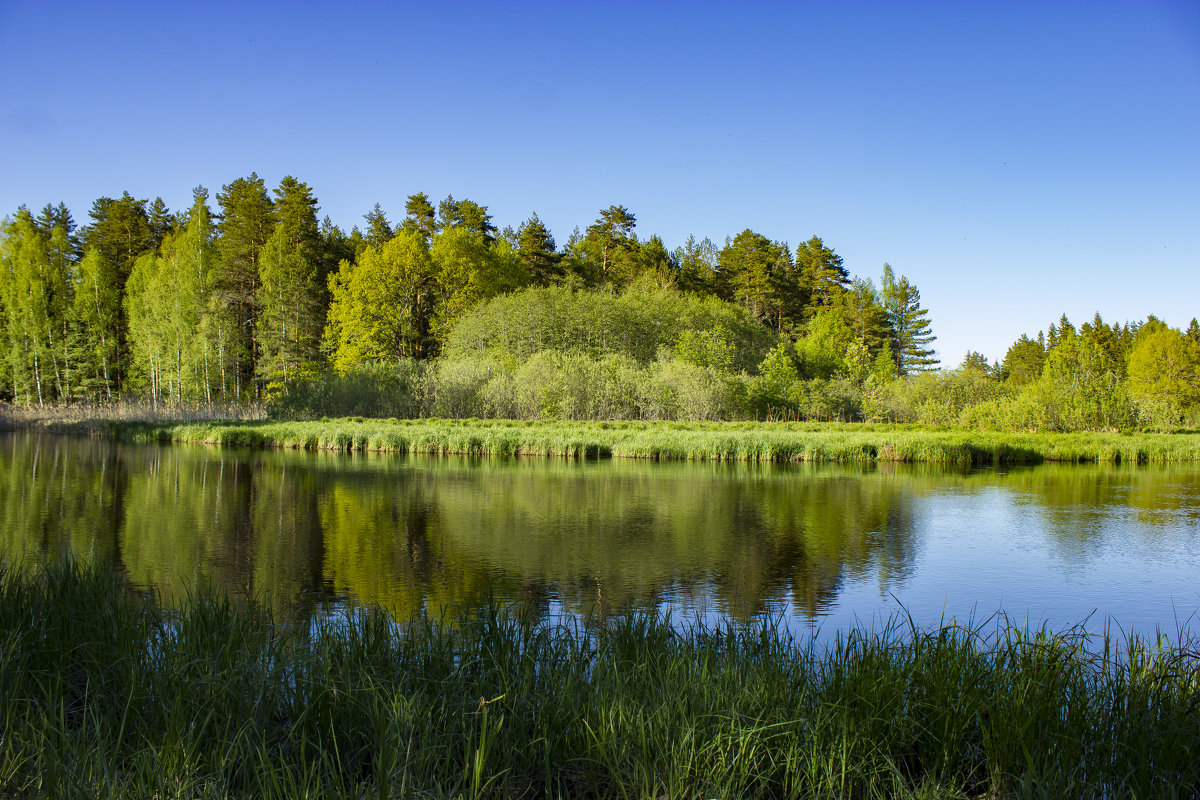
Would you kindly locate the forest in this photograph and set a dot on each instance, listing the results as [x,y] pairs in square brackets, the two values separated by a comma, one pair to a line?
[440,313]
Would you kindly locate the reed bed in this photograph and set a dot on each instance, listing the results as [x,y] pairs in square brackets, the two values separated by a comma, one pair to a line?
[104,694]
[716,441]
[98,415]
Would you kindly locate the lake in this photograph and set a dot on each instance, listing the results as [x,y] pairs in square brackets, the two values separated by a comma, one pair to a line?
[815,546]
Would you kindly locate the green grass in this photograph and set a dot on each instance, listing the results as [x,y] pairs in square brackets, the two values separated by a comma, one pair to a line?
[719,441]
[103,694]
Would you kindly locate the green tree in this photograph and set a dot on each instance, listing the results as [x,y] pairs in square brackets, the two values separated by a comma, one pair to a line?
[382,304]
[247,222]
[95,315]
[379,230]
[167,301]
[1081,387]
[608,242]
[160,221]
[656,261]
[467,271]
[826,341]
[909,323]
[864,314]
[976,362]
[758,274]
[420,216]
[536,250]
[36,298]
[1164,375]
[1107,338]
[696,265]
[120,231]
[291,296]
[467,214]
[823,277]
[1024,360]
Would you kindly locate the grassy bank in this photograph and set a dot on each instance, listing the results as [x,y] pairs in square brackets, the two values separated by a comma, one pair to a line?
[105,695]
[720,441]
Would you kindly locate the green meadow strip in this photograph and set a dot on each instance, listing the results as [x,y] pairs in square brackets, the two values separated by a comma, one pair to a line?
[711,441]
[107,695]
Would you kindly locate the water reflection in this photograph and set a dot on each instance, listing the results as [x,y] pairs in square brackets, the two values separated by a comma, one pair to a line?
[593,536]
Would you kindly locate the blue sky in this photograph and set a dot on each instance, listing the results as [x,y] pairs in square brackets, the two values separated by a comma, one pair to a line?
[1015,160]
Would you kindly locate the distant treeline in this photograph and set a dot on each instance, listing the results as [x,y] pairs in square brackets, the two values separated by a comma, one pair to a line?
[443,313]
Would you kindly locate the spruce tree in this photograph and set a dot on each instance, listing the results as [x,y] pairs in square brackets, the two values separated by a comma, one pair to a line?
[291,296]
[247,221]
[536,251]
[379,230]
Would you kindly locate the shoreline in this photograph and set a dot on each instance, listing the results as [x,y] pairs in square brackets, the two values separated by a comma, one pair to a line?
[753,442]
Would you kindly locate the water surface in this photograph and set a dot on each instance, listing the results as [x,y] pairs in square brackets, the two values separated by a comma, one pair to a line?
[817,546]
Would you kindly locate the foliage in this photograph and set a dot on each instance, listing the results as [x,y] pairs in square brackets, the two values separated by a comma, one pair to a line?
[395,389]
[637,323]
[259,299]
[909,324]
[292,297]
[1164,376]
[108,696]
[382,304]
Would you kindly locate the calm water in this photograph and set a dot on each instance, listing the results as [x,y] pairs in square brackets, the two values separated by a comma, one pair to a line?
[819,546]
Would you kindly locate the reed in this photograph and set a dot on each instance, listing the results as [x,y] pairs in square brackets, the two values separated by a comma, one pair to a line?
[719,441]
[107,695]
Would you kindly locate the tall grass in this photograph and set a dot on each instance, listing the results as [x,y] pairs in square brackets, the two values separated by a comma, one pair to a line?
[106,695]
[719,441]
[127,411]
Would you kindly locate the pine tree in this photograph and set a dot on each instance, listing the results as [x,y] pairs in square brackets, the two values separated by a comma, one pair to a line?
[466,214]
[606,239]
[420,216]
[759,275]
[909,323]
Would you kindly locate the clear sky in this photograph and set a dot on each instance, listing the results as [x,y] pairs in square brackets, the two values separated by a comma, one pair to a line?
[1015,160]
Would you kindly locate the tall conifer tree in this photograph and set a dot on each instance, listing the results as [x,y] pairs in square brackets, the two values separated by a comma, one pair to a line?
[536,251]
[247,221]
[292,297]
[909,323]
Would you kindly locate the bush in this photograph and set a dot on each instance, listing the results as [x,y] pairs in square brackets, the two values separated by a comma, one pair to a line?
[397,389]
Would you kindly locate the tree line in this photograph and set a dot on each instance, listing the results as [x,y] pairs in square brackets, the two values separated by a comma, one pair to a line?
[241,301]
[440,312]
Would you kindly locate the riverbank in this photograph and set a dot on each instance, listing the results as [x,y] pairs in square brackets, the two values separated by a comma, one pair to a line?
[714,441]
[107,695]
